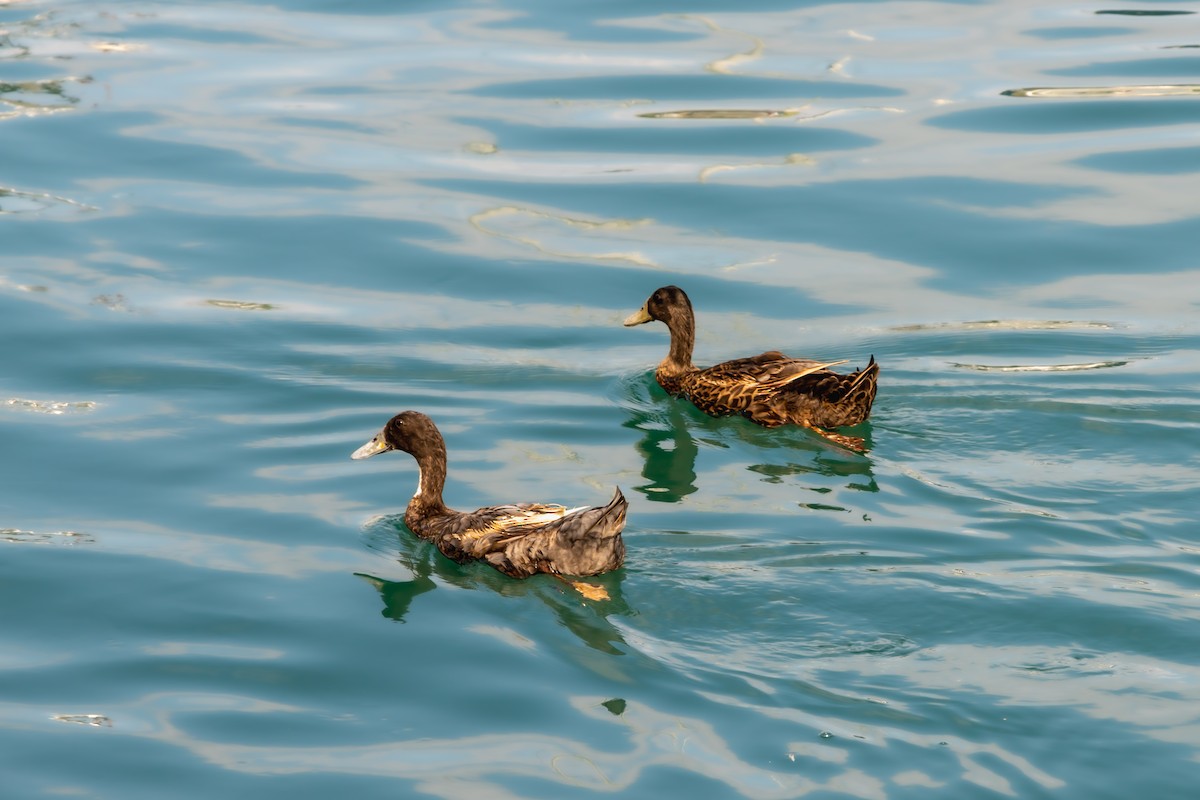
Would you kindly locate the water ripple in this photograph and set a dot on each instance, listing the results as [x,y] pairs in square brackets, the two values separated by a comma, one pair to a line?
[70,538]
[13,201]
[311,216]
[1041,367]
[1162,90]
[52,407]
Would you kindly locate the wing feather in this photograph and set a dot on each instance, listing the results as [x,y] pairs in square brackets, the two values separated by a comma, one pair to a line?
[514,519]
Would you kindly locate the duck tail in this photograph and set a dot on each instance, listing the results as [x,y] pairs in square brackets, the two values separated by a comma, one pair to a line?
[861,391]
[600,522]
[614,512]
[868,376]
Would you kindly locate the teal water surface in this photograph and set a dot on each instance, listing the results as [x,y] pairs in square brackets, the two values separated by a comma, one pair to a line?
[237,237]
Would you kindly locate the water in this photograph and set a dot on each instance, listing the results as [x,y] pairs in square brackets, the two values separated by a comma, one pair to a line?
[236,238]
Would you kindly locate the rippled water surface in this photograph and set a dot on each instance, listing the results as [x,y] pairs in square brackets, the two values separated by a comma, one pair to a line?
[236,237]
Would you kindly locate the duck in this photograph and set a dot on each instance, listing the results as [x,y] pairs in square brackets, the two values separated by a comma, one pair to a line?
[519,539]
[770,389]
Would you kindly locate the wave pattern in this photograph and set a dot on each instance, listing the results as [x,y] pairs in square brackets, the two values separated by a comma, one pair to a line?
[238,238]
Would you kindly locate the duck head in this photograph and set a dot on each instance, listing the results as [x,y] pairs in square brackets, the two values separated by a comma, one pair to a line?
[665,305]
[410,431]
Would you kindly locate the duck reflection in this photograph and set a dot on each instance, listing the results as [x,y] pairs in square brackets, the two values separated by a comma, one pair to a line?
[31,98]
[397,596]
[586,618]
[822,465]
[669,452]
[669,448]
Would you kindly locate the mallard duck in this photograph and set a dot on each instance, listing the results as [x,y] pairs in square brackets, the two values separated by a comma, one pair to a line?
[771,389]
[519,540]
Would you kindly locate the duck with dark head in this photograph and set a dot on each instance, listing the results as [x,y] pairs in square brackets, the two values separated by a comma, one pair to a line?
[770,389]
[518,539]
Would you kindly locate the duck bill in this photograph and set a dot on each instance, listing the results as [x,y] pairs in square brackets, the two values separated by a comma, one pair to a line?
[638,317]
[371,448]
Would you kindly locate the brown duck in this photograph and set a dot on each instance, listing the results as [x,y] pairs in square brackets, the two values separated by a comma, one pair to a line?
[519,540]
[771,389]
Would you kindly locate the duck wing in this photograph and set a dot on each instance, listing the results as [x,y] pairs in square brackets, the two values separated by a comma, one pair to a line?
[835,387]
[733,386]
[471,534]
[599,522]
[769,370]
[498,519]
[821,399]
[581,541]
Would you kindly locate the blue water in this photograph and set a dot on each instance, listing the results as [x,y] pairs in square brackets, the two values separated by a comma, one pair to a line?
[236,238]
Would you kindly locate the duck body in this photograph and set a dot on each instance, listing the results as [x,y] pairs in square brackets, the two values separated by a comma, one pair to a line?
[520,539]
[527,538]
[771,388]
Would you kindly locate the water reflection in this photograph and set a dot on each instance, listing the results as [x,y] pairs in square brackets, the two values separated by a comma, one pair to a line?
[19,536]
[31,98]
[13,201]
[824,465]
[1040,367]
[1138,12]
[1161,90]
[397,596]
[429,568]
[722,113]
[1010,502]
[92,720]
[649,742]
[52,407]
[11,49]
[670,451]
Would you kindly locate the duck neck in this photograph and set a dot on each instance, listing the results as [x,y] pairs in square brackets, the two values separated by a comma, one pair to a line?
[430,482]
[682,326]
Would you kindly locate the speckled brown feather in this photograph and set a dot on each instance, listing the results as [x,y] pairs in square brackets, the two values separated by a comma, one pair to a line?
[770,389]
[814,397]
[518,540]
[522,540]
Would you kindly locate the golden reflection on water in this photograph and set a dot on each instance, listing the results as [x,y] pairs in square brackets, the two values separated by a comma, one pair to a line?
[240,305]
[91,720]
[14,201]
[1165,90]
[1007,325]
[1040,367]
[722,113]
[725,65]
[18,536]
[52,407]
[118,47]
